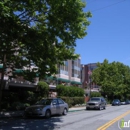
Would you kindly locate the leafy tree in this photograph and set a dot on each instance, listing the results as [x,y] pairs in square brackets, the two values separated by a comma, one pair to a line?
[95,94]
[114,79]
[41,32]
[69,91]
[43,88]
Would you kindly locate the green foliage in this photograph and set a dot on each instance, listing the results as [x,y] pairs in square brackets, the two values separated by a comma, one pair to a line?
[69,91]
[114,79]
[43,32]
[43,89]
[72,101]
[95,94]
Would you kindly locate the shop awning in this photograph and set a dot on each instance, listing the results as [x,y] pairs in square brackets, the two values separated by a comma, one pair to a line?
[18,71]
[63,80]
[59,79]
[75,82]
[1,66]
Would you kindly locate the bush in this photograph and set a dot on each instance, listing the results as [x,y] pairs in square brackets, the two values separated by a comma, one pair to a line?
[95,94]
[69,91]
[43,90]
[17,106]
[72,101]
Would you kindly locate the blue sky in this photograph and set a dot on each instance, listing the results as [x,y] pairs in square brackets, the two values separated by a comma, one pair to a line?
[108,34]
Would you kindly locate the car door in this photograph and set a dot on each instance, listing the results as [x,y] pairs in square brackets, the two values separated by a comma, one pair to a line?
[54,106]
[61,106]
[103,102]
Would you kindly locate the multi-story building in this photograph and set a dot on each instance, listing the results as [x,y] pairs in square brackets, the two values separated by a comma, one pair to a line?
[86,76]
[70,72]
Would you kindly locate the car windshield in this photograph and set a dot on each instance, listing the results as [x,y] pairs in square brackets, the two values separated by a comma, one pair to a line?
[95,99]
[44,102]
[116,100]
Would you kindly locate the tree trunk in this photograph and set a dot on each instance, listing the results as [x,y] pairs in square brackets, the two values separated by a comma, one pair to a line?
[2,79]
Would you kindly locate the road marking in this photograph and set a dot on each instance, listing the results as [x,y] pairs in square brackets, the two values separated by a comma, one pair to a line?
[105,126]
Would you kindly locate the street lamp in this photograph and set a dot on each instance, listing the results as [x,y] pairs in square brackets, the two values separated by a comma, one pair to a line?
[89,74]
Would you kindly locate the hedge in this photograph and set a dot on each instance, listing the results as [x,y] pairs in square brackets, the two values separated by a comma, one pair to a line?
[69,91]
[72,101]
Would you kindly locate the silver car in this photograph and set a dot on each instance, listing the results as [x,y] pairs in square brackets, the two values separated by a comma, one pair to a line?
[46,108]
[96,103]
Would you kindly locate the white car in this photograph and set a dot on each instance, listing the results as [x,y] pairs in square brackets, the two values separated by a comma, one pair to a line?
[46,108]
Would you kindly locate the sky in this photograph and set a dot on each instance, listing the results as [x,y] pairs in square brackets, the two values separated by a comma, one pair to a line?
[108,34]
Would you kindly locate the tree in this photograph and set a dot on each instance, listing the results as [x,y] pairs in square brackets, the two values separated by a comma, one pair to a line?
[41,32]
[43,90]
[114,78]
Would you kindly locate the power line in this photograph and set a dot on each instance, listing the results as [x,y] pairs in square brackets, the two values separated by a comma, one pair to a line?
[108,6]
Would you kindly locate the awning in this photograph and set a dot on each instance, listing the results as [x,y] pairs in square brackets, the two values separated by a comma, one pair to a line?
[14,85]
[63,80]
[75,82]
[59,79]
[1,66]
[18,71]
[50,77]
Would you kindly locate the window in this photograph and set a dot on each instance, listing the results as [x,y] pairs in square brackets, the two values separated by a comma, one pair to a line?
[60,101]
[54,101]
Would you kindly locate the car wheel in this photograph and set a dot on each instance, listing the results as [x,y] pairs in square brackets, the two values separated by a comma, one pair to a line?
[100,108]
[65,111]
[104,107]
[87,108]
[48,114]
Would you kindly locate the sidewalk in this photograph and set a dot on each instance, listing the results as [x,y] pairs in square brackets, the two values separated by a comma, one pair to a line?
[20,113]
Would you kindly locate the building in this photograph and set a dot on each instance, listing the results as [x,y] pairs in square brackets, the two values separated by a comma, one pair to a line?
[17,83]
[86,77]
[68,74]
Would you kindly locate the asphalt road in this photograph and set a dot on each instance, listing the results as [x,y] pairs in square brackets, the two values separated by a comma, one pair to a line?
[79,120]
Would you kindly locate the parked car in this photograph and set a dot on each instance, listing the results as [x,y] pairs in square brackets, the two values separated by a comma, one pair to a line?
[116,102]
[96,103]
[123,102]
[47,107]
[127,101]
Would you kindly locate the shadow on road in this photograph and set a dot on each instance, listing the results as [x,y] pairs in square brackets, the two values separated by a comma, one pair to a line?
[31,123]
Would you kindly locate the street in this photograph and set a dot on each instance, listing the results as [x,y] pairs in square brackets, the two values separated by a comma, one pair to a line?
[79,120]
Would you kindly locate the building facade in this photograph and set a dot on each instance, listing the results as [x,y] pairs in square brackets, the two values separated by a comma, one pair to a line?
[70,72]
[86,77]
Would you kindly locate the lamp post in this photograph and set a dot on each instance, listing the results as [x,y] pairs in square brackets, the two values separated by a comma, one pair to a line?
[89,74]
[90,84]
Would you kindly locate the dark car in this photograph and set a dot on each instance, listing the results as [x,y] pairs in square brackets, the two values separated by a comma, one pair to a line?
[116,102]
[96,103]
[127,101]
[47,107]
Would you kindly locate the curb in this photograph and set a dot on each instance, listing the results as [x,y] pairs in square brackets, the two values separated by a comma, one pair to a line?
[76,110]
